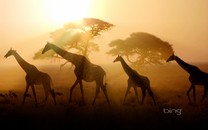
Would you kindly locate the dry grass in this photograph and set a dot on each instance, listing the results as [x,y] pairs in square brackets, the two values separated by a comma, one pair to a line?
[169,84]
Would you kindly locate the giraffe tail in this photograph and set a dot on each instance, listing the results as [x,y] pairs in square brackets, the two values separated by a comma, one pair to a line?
[148,88]
[150,92]
[105,83]
[152,95]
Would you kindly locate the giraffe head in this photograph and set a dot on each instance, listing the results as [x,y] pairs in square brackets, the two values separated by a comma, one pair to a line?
[171,58]
[46,48]
[118,58]
[9,53]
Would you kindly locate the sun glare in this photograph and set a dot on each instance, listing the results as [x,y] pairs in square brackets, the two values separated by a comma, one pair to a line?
[62,11]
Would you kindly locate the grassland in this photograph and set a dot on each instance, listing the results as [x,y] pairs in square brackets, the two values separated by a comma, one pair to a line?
[168,82]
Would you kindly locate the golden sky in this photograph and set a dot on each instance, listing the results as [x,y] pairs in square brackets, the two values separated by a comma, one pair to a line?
[26,24]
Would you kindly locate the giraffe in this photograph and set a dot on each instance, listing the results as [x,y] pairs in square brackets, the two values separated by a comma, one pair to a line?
[33,77]
[196,76]
[135,80]
[84,70]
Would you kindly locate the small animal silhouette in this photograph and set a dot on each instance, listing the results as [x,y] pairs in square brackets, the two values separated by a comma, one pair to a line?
[12,94]
[2,95]
[59,93]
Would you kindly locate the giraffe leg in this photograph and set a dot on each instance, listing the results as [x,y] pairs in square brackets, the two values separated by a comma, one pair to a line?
[152,95]
[53,95]
[26,90]
[189,92]
[105,93]
[143,95]
[96,93]
[205,93]
[194,93]
[135,90]
[34,94]
[82,91]
[72,88]
[46,92]
[46,97]
[127,91]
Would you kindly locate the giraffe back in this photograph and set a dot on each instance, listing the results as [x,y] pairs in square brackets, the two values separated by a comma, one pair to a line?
[90,72]
[139,79]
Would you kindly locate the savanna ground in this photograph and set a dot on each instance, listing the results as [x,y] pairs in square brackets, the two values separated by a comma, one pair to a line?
[169,83]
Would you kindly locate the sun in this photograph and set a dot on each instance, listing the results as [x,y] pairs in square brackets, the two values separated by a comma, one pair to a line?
[62,11]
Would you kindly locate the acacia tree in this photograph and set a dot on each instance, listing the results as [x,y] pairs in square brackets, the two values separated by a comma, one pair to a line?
[77,36]
[141,48]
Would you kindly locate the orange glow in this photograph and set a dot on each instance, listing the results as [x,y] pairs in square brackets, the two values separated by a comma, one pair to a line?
[62,11]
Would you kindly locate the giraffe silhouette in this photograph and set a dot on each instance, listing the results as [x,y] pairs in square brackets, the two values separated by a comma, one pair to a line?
[84,70]
[135,80]
[33,77]
[196,76]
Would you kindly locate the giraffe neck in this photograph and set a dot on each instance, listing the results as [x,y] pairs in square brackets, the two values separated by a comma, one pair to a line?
[126,68]
[189,68]
[73,58]
[24,65]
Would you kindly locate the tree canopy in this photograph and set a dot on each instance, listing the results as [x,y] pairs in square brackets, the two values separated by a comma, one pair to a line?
[141,48]
[77,36]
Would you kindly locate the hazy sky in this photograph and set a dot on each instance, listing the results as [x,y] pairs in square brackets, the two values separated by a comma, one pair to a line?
[26,24]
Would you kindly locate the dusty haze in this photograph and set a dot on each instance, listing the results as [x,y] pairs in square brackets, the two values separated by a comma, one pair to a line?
[25,25]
